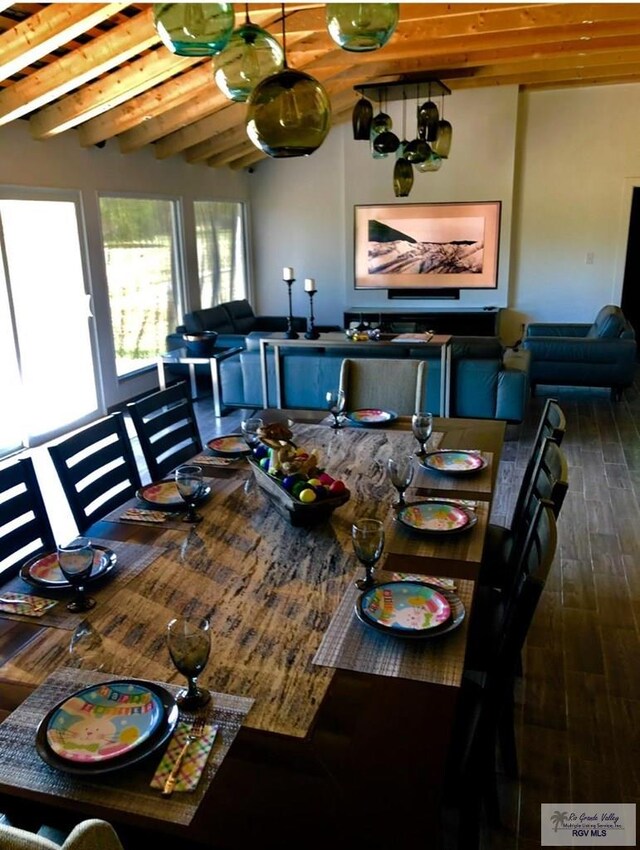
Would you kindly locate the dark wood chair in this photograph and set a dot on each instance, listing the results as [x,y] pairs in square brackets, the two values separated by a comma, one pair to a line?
[97,469]
[166,426]
[23,515]
[486,712]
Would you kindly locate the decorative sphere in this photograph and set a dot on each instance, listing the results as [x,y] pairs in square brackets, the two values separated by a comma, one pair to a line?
[360,27]
[289,114]
[251,55]
[194,29]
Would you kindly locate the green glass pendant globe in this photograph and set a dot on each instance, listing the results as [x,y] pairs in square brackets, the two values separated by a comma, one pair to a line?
[359,27]
[361,118]
[289,114]
[251,55]
[194,29]
[402,177]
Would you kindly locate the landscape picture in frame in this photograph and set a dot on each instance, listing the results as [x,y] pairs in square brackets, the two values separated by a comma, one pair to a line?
[424,246]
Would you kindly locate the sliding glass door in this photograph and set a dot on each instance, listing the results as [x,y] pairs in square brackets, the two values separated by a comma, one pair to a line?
[45,304]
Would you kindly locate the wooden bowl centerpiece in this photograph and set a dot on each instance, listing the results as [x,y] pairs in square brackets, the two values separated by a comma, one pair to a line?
[290,477]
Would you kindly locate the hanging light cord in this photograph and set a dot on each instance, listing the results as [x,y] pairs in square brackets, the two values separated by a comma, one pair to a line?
[246,13]
[284,38]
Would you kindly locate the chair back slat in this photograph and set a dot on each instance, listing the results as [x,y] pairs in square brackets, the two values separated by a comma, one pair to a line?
[167,429]
[25,529]
[105,467]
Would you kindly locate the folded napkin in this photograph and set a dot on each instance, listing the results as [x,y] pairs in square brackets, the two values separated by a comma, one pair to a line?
[211,460]
[436,581]
[193,762]
[471,504]
[25,604]
[142,515]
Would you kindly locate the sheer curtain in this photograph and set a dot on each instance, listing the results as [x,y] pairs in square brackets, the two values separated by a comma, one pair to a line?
[220,238]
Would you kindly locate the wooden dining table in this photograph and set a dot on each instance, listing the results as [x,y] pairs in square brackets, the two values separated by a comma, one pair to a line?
[325,753]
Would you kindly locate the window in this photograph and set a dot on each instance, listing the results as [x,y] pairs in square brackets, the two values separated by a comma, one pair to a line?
[48,365]
[220,239]
[142,258]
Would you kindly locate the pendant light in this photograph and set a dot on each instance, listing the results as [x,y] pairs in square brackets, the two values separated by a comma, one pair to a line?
[442,142]
[289,113]
[194,29]
[402,170]
[251,55]
[361,27]
[361,119]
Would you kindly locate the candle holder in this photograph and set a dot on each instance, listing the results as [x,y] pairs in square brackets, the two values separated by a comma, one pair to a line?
[311,333]
[290,333]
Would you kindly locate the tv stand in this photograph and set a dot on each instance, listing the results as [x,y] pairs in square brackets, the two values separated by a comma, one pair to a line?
[456,321]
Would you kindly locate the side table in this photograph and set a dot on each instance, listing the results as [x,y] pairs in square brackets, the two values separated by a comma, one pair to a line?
[181,356]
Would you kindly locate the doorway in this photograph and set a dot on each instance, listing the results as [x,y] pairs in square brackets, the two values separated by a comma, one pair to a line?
[630,301]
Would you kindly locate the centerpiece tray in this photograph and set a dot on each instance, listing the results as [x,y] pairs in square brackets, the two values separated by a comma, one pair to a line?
[298,513]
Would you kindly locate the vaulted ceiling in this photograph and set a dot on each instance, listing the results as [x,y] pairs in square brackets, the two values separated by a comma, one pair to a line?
[99,70]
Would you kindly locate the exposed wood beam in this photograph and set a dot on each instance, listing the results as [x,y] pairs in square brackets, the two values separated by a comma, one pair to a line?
[44,32]
[111,90]
[77,68]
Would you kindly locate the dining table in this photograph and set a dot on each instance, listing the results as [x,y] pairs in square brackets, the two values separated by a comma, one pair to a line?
[340,733]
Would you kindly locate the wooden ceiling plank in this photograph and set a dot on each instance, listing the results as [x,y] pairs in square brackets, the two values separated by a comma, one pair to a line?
[230,119]
[169,95]
[55,25]
[78,67]
[111,90]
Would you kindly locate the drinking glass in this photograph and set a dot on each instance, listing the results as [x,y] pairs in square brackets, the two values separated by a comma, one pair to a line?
[190,483]
[422,426]
[367,536]
[400,470]
[76,562]
[250,428]
[189,642]
[336,405]
[87,649]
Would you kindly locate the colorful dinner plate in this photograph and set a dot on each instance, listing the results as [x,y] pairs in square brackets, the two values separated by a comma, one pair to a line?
[44,570]
[435,517]
[455,618]
[104,721]
[232,444]
[155,741]
[371,416]
[454,461]
[405,606]
[164,495]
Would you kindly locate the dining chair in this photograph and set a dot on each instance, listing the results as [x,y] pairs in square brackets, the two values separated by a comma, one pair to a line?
[485,719]
[25,529]
[91,834]
[549,479]
[97,469]
[166,426]
[391,384]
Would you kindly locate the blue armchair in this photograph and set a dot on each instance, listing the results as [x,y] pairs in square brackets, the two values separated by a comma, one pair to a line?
[602,354]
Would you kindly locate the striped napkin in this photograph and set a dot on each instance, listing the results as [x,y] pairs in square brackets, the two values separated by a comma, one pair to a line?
[193,762]
[143,515]
[24,604]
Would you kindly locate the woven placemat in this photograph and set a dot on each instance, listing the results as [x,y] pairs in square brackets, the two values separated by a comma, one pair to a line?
[133,558]
[173,519]
[124,790]
[350,645]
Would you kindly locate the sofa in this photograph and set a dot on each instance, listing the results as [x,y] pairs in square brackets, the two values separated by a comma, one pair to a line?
[487,380]
[232,321]
[600,354]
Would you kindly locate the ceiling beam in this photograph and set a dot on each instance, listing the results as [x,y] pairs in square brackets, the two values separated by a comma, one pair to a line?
[78,67]
[55,25]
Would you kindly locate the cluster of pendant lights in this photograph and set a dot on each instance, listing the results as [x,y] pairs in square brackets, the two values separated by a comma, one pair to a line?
[289,112]
[425,152]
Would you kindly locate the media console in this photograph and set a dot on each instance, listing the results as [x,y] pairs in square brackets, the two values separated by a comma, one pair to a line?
[458,322]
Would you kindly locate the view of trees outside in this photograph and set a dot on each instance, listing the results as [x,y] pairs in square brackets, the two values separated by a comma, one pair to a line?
[221,251]
[140,251]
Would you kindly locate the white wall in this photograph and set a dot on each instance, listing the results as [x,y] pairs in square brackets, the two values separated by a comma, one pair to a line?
[303,208]
[61,163]
[579,157]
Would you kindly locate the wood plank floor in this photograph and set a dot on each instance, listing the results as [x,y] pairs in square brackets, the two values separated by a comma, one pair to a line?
[578,703]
